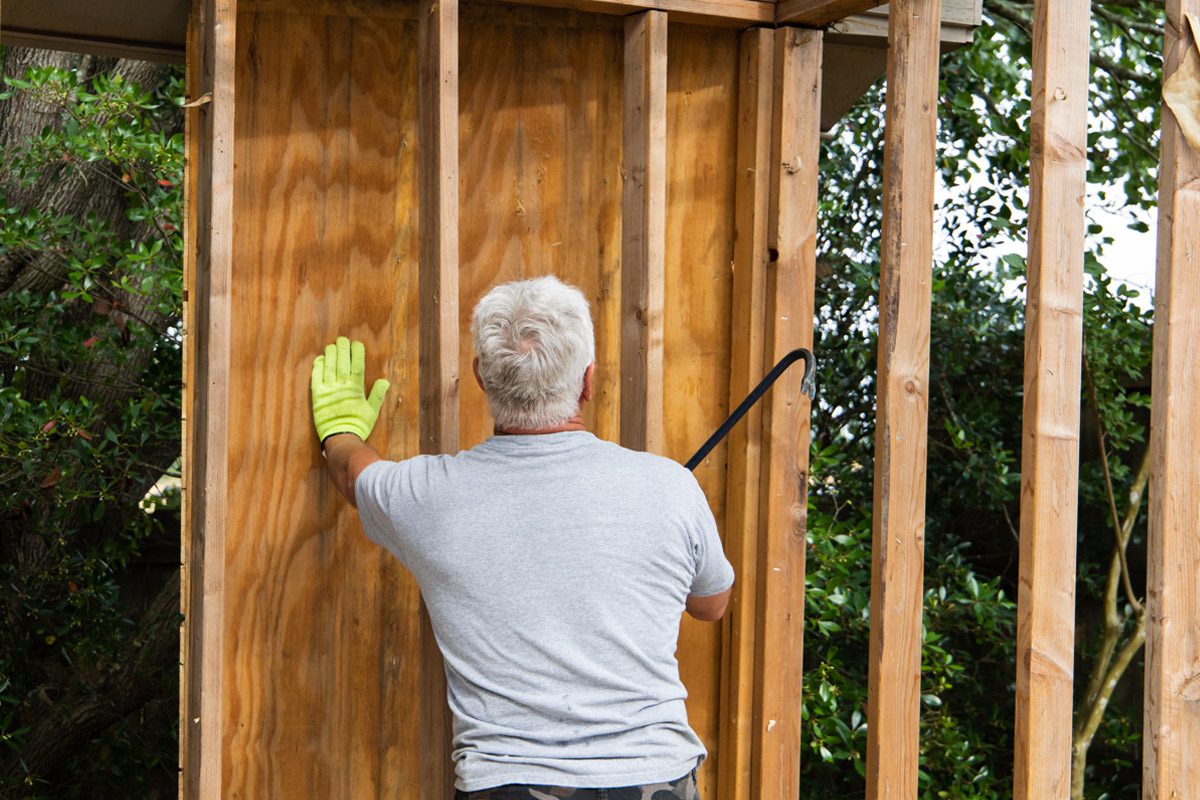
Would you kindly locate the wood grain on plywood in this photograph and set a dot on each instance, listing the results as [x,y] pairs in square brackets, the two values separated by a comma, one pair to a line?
[1050,421]
[1172,707]
[318,655]
[789,306]
[540,183]
[898,537]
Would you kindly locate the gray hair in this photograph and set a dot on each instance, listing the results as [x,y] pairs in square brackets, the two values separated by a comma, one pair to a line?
[534,341]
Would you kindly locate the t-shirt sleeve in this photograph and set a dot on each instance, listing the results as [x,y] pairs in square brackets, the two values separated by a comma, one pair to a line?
[382,491]
[714,573]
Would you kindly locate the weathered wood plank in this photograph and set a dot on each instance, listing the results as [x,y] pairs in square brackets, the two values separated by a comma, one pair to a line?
[756,87]
[643,230]
[1050,421]
[789,299]
[438,282]
[819,12]
[209,265]
[1170,768]
[898,536]
[731,13]
[191,547]
[701,148]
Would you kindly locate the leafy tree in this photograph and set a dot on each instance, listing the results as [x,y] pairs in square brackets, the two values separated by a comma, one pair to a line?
[90,292]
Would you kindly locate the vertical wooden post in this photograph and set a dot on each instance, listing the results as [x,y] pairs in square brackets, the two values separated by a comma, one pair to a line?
[438,282]
[898,537]
[1050,422]
[1170,766]
[756,88]
[643,230]
[789,298]
[208,264]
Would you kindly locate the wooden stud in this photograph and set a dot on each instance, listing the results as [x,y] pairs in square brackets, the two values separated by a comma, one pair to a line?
[898,535]
[820,12]
[210,274]
[756,88]
[643,230]
[1050,421]
[438,282]
[209,278]
[789,299]
[1170,768]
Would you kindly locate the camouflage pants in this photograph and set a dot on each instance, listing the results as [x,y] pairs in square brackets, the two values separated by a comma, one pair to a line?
[682,789]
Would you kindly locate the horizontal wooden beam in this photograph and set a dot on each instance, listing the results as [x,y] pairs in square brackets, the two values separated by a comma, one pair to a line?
[720,13]
[820,12]
[735,13]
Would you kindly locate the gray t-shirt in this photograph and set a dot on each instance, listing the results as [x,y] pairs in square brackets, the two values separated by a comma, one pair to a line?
[555,568]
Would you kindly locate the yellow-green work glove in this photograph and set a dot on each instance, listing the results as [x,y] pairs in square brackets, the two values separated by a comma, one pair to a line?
[339,402]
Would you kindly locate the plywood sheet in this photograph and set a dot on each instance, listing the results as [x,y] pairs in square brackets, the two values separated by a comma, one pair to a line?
[320,624]
[539,179]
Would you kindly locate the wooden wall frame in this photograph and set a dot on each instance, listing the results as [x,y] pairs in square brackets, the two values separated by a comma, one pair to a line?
[387,174]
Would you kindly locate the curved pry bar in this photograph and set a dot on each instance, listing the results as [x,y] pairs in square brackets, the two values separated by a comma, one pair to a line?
[807,386]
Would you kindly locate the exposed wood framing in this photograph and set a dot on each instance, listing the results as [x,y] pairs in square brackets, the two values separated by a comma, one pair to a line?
[820,12]
[789,297]
[1050,422]
[756,88]
[208,264]
[438,282]
[643,230]
[734,13]
[898,536]
[1170,768]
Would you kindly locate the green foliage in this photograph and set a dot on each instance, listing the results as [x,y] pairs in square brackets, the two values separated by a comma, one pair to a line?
[89,413]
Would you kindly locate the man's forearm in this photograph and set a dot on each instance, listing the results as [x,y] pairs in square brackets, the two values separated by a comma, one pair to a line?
[346,456]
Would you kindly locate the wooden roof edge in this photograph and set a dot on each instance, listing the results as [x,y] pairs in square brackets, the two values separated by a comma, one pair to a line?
[42,24]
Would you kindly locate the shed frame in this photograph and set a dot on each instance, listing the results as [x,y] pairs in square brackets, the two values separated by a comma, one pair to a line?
[771,237]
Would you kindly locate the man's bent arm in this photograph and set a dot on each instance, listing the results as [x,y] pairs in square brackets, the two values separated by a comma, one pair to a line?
[346,456]
[709,608]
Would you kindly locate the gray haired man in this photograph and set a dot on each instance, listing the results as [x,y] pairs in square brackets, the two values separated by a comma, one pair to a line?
[555,565]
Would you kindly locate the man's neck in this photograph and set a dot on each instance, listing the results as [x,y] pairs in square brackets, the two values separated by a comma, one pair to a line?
[573,424]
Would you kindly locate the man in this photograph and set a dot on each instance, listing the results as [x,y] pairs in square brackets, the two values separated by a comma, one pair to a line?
[555,565]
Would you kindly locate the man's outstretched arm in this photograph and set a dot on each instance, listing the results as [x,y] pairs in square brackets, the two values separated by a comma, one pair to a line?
[346,456]
[343,414]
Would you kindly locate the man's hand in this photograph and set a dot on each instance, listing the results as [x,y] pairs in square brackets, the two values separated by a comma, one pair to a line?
[339,403]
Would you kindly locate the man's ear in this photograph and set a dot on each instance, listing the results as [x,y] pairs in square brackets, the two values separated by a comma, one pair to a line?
[475,369]
[589,376]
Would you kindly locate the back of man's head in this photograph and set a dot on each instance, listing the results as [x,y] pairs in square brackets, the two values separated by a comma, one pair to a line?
[534,341]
